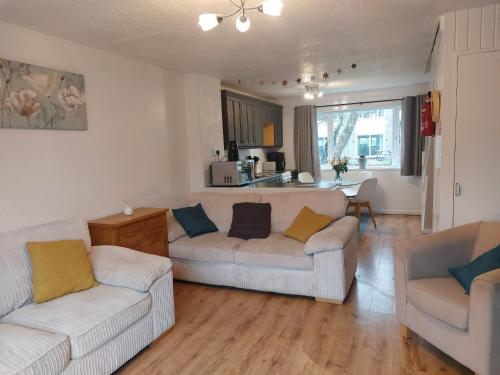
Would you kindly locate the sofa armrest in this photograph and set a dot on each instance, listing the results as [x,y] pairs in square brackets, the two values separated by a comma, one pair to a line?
[122,267]
[432,255]
[174,229]
[333,237]
[484,325]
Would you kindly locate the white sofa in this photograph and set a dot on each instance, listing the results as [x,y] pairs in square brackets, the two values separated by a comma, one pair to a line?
[323,268]
[90,332]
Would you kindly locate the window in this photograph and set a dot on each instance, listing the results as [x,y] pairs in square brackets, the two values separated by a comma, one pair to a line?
[372,132]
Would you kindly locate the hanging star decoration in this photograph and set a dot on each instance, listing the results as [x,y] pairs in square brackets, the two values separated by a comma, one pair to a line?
[302,81]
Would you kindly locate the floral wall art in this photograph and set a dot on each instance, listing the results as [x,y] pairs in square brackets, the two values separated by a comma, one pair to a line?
[33,97]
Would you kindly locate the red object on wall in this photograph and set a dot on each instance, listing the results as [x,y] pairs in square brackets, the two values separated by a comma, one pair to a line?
[428,127]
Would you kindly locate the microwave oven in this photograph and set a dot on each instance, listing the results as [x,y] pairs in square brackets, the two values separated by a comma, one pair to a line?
[232,173]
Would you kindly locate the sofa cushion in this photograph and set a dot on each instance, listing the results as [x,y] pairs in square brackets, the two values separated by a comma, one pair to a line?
[89,318]
[219,206]
[194,220]
[486,262]
[275,251]
[15,277]
[441,297]
[210,247]
[306,224]
[29,351]
[250,220]
[286,206]
[59,268]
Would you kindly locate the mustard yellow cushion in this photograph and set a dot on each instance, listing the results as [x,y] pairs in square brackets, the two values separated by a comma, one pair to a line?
[306,223]
[59,268]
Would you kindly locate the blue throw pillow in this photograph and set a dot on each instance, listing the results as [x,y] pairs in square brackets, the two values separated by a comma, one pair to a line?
[486,262]
[194,220]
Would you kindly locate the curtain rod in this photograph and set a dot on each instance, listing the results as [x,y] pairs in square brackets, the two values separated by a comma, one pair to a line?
[359,103]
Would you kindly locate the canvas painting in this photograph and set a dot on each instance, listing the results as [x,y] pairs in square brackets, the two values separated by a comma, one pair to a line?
[33,97]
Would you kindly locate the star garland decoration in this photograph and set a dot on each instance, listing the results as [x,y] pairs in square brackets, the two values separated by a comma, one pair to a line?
[325,76]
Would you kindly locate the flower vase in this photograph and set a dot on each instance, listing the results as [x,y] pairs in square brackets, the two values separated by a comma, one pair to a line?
[338,178]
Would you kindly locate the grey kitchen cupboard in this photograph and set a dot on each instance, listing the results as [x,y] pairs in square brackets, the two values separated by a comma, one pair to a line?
[244,119]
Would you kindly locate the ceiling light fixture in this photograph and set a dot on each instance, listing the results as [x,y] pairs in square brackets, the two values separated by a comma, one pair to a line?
[312,91]
[270,7]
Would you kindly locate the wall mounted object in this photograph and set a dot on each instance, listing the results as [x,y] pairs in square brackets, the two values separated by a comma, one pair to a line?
[34,97]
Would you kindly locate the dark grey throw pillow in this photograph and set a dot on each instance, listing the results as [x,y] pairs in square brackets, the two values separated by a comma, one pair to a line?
[251,220]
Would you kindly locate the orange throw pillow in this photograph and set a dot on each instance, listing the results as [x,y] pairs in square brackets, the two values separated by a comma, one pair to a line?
[306,223]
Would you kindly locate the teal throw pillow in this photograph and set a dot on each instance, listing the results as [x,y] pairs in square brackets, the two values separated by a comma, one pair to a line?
[486,262]
[194,220]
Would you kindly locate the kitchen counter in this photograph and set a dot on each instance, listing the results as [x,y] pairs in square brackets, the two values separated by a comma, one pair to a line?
[294,184]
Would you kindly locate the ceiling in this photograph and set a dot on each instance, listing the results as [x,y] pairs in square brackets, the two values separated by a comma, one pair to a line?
[389,39]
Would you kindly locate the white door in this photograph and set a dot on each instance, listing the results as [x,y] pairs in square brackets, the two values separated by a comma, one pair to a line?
[477,153]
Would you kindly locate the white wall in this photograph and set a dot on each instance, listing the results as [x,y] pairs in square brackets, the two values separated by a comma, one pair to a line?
[395,194]
[203,125]
[463,32]
[131,151]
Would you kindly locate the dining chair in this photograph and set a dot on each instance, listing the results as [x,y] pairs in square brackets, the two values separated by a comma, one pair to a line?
[363,175]
[365,194]
[352,191]
[306,178]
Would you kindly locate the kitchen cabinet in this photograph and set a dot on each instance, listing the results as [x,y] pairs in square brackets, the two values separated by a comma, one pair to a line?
[244,119]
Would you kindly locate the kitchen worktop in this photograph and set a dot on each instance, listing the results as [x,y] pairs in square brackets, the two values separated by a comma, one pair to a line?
[294,184]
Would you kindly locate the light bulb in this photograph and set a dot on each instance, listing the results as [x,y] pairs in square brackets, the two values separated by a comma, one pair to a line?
[209,21]
[272,7]
[320,94]
[308,96]
[242,23]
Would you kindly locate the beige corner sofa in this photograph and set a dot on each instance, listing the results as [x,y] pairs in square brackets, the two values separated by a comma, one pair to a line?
[90,332]
[323,268]
[433,304]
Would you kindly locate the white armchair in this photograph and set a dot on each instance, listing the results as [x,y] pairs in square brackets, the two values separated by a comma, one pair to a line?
[432,304]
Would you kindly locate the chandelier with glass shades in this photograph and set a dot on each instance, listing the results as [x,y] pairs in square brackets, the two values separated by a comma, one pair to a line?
[312,91]
[270,7]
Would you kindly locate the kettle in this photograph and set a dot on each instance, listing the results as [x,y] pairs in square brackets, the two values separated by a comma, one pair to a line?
[232,151]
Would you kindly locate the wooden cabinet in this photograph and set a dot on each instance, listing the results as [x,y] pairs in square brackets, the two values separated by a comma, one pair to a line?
[145,230]
[244,119]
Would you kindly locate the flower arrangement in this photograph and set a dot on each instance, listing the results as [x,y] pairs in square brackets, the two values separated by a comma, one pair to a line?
[339,166]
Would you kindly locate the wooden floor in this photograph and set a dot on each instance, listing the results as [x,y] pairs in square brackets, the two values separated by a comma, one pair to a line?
[231,331]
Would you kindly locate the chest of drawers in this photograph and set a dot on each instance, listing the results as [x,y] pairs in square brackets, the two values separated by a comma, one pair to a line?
[145,230]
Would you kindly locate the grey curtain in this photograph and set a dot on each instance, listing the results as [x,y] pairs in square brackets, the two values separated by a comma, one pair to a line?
[411,140]
[306,140]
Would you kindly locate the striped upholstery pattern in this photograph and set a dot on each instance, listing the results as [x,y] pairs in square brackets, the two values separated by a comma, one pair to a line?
[274,279]
[31,352]
[15,264]
[274,251]
[162,311]
[334,271]
[215,247]
[275,264]
[90,318]
[119,266]
[286,206]
[109,357]
[334,237]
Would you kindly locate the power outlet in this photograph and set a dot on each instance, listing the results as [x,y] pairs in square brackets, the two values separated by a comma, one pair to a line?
[214,151]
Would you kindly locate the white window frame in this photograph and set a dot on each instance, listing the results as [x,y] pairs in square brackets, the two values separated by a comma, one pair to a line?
[394,105]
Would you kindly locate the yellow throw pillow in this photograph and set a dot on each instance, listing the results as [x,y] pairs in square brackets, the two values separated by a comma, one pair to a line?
[59,268]
[306,223]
